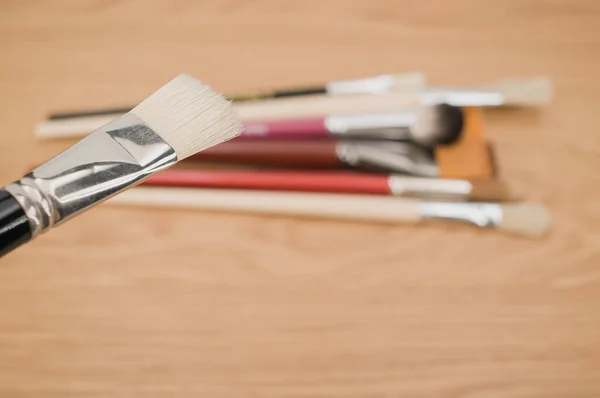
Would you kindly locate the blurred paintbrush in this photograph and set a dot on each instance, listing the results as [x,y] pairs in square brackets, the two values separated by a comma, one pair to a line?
[525,219]
[334,181]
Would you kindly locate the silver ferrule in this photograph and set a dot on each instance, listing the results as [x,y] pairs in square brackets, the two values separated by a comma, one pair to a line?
[429,187]
[460,97]
[480,214]
[395,157]
[113,158]
[393,125]
[368,85]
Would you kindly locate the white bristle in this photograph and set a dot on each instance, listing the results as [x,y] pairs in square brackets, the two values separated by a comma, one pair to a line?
[189,116]
[523,92]
[528,219]
[409,81]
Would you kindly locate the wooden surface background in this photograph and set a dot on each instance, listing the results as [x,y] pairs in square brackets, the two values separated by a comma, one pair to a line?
[140,303]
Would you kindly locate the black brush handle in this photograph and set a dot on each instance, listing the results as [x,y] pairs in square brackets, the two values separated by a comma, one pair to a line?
[15,229]
[252,96]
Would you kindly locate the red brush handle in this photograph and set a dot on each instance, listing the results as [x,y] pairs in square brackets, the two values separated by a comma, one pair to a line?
[301,128]
[338,182]
[296,153]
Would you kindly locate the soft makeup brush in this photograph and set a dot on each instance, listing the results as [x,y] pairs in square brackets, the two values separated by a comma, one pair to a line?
[180,119]
[526,219]
[396,157]
[508,93]
[340,182]
[409,81]
[426,125]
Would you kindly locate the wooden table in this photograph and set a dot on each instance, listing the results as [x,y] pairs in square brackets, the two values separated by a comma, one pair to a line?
[142,303]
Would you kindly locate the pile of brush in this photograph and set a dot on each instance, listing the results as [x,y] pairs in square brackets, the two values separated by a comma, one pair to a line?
[386,148]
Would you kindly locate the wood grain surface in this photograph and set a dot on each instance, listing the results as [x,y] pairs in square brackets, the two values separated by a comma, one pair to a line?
[149,303]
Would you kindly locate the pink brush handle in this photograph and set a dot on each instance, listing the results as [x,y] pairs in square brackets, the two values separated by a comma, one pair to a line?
[300,128]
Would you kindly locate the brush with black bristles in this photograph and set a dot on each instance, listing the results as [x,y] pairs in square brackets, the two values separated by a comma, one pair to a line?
[428,126]
[181,119]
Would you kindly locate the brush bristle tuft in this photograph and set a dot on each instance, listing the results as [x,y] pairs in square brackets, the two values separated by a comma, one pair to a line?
[410,81]
[528,219]
[438,125]
[524,92]
[189,116]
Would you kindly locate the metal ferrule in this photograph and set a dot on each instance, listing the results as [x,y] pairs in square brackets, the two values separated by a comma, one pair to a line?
[394,125]
[429,187]
[460,97]
[117,156]
[369,85]
[395,157]
[480,214]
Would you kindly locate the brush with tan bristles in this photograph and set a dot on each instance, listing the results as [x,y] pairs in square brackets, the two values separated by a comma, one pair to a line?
[513,92]
[179,120]
[525,219]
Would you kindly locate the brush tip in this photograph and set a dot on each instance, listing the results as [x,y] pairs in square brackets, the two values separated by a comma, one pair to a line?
[189,116]
[440,124]
[527,219]
[537,91]
[490,191]
[409,81]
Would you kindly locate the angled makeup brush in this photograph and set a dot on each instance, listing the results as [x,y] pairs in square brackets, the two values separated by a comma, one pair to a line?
[395,157]
[408,81]
[180,119]
[332,181]
[525,219]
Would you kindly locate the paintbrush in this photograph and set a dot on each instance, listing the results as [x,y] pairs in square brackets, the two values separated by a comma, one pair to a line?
[395,157]
[507,93]
[409,81]
[425,125]
[510,92]
[180,119]
[526,219]
[334,182]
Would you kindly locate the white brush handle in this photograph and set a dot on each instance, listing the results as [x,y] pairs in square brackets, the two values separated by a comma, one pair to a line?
[348,207]
[70,128]
[319,105]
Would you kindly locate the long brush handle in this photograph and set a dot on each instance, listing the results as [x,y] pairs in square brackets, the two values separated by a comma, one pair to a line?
[313,127]
[341,182]
[303,128]
[318,205]
[307,153]
[320,105]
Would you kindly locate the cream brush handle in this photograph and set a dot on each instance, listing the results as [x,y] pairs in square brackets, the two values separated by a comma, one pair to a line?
[317,105]
[347,207]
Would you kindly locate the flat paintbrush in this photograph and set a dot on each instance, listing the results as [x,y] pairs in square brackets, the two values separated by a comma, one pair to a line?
[180,119]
